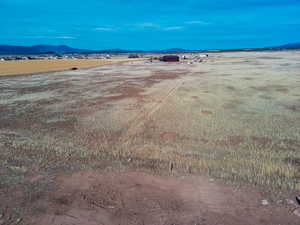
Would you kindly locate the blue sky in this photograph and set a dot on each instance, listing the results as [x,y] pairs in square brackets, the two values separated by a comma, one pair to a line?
[155,24]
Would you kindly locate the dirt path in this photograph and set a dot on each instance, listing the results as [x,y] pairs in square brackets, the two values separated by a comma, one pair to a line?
[146,114]
[136,198]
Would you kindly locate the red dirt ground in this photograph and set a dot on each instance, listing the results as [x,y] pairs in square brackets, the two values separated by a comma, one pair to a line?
[94,198]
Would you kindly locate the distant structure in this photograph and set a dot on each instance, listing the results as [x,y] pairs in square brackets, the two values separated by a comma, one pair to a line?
[133,56]
[170,58]
[185,57]
[203,56]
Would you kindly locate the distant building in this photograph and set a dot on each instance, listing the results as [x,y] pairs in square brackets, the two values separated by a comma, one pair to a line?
[133,56]
[185,56]
[170,58]
[203,56]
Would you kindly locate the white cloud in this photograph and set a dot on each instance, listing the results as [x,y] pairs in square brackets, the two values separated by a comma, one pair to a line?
[35,37]
[198,22]
[105,29]
[148,25]
[65,37]
[49,37]
[174,28]
[154,26]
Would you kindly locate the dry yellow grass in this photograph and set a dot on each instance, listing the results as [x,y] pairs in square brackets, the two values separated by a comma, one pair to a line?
[38,66]
[234,117]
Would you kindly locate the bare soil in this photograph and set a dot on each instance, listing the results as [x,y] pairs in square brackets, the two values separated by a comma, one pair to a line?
[91,197]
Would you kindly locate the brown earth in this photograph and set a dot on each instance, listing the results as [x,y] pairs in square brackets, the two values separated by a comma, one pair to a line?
[93,198]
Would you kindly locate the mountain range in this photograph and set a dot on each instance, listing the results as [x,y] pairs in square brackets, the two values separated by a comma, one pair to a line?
[289,46]
[38,49]
[62,49]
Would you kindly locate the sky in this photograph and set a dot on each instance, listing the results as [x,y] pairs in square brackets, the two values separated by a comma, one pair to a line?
[150,25]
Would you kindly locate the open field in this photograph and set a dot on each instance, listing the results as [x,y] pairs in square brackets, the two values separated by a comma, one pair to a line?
[234,118]
[38,66]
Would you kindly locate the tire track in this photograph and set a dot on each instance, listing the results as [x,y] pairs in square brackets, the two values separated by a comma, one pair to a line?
[146,115]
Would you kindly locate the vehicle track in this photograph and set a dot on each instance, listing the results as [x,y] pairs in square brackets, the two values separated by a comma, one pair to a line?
[146,114]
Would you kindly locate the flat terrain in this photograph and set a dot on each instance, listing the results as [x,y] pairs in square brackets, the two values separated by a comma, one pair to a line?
[78,147]
[38,66]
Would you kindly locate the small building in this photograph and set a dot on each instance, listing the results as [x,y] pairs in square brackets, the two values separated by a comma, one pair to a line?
[185,57]
[203,56]
[170,58]
[133,56]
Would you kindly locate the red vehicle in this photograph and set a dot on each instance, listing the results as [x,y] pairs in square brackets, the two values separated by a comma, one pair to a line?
[170,58]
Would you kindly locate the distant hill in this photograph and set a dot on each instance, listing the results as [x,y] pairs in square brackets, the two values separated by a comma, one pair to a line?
[61,49]
[289,46]
[173,50]
[38,49]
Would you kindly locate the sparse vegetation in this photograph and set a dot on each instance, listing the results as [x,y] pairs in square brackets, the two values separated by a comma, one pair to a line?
[166,118]
[198,120]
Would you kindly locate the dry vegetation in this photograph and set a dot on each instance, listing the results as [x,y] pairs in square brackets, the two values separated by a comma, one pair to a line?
[37,66]
[226,118]
[234,117]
